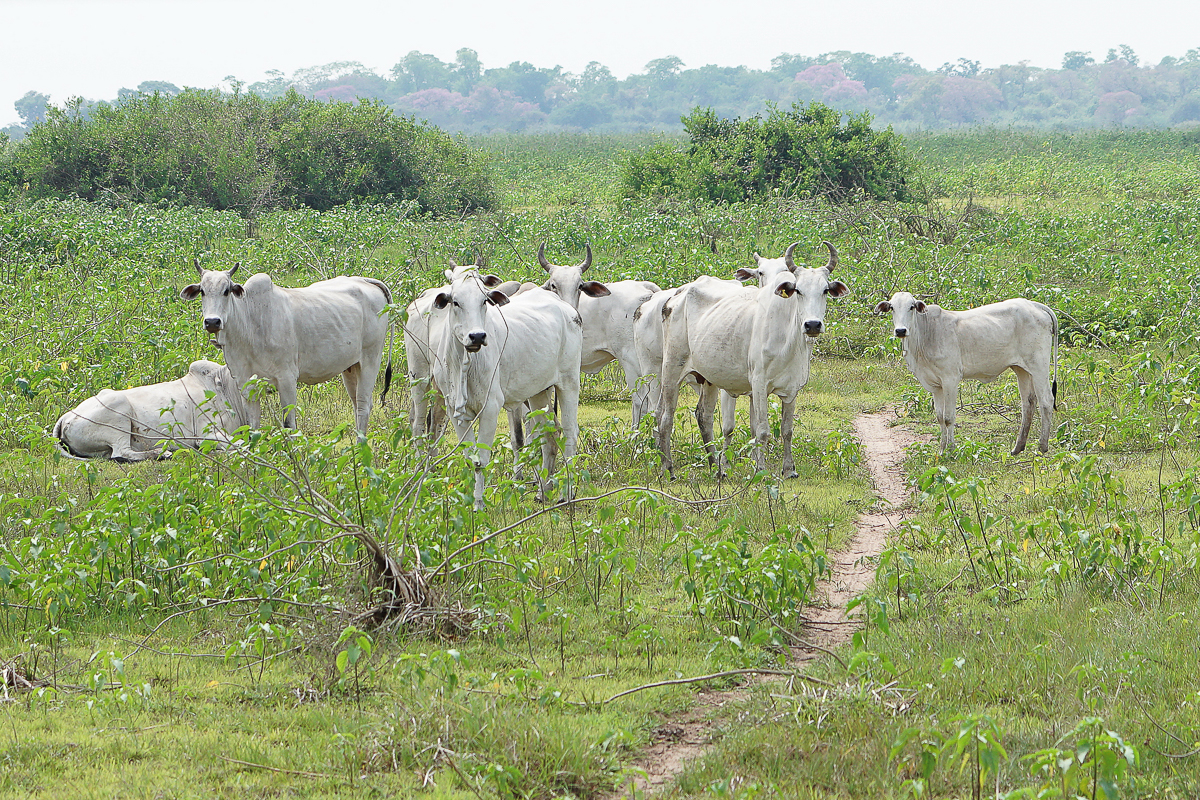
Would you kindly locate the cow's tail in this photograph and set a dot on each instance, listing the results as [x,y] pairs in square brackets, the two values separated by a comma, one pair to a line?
[1054,355]
[387,373]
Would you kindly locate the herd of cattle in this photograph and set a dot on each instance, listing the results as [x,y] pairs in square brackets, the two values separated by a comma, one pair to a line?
[478,344]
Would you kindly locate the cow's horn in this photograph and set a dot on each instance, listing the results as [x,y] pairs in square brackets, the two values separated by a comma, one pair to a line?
[587,259]
[199,269]
[479,260]
[542,257]
[787,256]
[832,256]
[235,268]
[453,264]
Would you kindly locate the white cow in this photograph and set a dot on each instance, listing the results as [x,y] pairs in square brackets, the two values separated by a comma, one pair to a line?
[943,348]
[607,311]
[648,336]
[755,341]
[289,336]
[494,353]
[428,406]
[143,422]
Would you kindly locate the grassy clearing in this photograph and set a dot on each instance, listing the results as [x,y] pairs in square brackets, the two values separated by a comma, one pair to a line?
[1027,596]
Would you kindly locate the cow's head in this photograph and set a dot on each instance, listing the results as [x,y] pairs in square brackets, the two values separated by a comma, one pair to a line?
[467,299]
[216,291]
[568,282]
[811,287]
[903,306]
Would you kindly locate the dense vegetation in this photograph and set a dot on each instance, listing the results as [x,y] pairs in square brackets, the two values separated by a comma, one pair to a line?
[797,153]
[248,154]
[1117,90]
[190,626]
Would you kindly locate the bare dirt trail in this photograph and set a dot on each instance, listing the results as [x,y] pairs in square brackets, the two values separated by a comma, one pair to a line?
[686,736]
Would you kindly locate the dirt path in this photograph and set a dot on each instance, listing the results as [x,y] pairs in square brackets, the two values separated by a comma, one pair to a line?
[685,736]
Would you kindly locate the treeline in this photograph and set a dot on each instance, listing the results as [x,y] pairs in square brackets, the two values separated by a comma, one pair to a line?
[246,153]
[1086,92]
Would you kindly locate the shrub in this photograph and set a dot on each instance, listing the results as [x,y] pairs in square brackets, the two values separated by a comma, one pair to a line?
[802,152]
[249,154]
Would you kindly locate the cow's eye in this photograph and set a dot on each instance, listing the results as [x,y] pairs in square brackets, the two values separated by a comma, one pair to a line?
[225,293]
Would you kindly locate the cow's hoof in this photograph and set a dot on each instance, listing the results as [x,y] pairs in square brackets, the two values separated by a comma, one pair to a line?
[788,474]
[1016,451]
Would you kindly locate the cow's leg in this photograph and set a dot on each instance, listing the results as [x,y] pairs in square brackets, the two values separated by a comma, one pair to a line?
[760,422]
[419,393]
[480,456]
[517,432]
[286,386]
[547,429]
[947,413]
[353,379]
[667,401]
[787,420]
[728,422]
[705,408]
[1025,387]
[568,409]
[1045,400]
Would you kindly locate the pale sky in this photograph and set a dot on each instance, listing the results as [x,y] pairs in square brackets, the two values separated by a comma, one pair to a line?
[93,48]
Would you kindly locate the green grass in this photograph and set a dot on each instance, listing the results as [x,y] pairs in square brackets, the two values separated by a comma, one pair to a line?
[577,604]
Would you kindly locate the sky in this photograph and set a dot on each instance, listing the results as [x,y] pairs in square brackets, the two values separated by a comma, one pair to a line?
[92,48]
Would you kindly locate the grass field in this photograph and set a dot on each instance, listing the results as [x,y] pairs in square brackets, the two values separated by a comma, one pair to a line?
[190,627]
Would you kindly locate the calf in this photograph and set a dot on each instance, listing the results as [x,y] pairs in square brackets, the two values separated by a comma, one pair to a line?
[943,348]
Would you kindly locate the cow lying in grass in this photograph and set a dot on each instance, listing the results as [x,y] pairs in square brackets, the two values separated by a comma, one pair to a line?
[145,421]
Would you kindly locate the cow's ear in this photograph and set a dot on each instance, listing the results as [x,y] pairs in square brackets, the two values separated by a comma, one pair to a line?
[786,289]
[190,292]
[449,274]
[594,289]
[441,301]
[238,290]
[883,308]
[838,289]
[497,298]
[744,274]
[491,281]
[920,306]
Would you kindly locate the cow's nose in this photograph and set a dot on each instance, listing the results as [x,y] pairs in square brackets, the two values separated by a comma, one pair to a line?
[212,324]
[813,327]
[901,333]
[477,338]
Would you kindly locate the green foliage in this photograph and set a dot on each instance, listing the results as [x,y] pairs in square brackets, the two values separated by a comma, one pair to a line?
[248,154]
[803,152]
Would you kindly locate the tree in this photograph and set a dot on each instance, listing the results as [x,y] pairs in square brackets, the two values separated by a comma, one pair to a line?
[662,69]
[32,108]
[1077,59]
[163,87]
[418,71]
[467,70]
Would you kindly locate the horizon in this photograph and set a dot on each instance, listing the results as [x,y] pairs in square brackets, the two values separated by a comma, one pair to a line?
[137,40]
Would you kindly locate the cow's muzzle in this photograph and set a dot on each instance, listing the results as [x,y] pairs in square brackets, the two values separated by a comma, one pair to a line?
[476,340]
[813,327]
[212,324]
[901,333]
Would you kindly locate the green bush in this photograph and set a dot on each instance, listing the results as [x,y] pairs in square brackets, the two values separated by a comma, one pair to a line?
[805,152]
[249,154]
